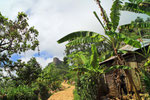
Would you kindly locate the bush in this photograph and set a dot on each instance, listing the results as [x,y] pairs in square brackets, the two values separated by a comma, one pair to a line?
[146,80]
[90,86]
[43,91]
[22,92]
[87,87]
[76,96]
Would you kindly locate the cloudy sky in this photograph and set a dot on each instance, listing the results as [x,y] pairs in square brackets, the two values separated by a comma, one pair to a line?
[55,19]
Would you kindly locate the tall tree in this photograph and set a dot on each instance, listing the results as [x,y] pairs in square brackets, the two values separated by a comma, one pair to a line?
[28,72]
[16,37]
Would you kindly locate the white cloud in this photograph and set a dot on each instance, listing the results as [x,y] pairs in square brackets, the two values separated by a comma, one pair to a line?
[43,62]
[56,18]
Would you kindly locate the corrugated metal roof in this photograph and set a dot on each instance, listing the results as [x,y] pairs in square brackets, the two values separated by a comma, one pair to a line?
[144,43]
[109,59]
[128,48]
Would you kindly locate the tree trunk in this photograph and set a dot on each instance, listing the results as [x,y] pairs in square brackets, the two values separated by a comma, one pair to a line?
[132,83]
[122,62]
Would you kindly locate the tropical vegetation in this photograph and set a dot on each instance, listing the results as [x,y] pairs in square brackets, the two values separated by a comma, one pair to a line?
[82,65]
[25,80]
[107,45]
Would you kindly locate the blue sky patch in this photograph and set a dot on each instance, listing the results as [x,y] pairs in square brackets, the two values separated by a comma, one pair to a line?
[43,54]
[15,57]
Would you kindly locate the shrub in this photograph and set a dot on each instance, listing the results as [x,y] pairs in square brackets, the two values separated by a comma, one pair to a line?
[87,87]
[22,92]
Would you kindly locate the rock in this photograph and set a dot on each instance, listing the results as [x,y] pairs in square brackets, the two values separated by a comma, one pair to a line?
[56,61]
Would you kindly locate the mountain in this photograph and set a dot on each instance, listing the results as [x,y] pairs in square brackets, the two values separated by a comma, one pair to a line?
[57,62]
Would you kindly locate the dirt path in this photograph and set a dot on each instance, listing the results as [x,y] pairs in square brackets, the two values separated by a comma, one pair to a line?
[66,94]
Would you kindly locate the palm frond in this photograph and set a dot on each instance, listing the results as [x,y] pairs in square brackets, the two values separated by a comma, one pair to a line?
[77,34]
[128,40]
[115,13]
[99,19]
[94,57]
[87,39]
[137,8]
[135,25]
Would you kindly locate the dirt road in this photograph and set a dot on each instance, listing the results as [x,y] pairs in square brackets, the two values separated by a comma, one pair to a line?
[66,94]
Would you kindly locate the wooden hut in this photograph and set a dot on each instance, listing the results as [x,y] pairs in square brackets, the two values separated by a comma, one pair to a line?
[132,59]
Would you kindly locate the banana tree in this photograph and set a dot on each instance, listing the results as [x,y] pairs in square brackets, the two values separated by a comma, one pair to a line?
[89,74]
[137,6]
[137,29]
[111,27]
[111,42]
[85,62]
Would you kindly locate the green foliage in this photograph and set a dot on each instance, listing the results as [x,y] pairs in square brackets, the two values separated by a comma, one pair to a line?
[43,90]
[146,78]
[98,19]
[137,6]
[36,90]
[87,87]
[21,86]
[88,74]
[115,13]
[85,61]
[19,93]
[84,90]
[94,61]
[74,35]
[28,72]
[76,96]
[117,67]
[147,63]
[71,76]
[31,82]
[16,37]
[87,39]
[136,29]
[52,75]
